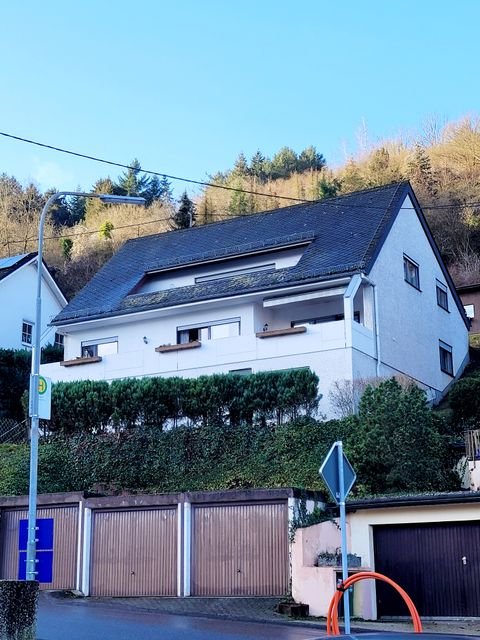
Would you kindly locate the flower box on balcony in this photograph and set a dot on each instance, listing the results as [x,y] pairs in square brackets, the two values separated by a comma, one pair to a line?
[274,333]
[165,348]
[80,360]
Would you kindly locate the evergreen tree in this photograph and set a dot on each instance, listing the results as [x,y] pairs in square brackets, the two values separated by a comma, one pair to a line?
[59,210]
[240,168]
[154,191]
[132,182]
[66,245]
[310,159]
[420,171]
[77,208]
[328,188]
[258,166]
[94,205]
[166,194]
[239,204]
[284,163]
[186,213]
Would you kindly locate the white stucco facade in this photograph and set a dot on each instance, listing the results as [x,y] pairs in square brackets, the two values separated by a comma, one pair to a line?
[360,327]
[17,296]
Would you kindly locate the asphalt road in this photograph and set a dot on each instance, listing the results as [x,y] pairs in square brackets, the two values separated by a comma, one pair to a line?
[60,620]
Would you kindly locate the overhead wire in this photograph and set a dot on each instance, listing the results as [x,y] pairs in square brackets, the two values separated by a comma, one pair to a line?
[212,185]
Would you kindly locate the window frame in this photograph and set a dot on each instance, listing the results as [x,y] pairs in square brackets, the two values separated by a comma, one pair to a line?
[59,340]
[92,347]
[406,262]
[446,363]
[442,289]
[198,327]
[28,334]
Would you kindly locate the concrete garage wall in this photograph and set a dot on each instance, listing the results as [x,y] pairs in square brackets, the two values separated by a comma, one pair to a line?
[143,545]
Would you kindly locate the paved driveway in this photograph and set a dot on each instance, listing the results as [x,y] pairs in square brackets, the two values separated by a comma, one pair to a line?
[58,620]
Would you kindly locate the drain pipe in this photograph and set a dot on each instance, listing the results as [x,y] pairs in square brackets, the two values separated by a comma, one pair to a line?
[377,329]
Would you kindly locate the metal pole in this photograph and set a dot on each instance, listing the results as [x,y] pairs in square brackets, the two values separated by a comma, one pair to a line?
[31,572]
[35,372]
[343,527]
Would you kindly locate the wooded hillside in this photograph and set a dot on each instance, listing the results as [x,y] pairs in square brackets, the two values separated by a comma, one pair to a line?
[442,162]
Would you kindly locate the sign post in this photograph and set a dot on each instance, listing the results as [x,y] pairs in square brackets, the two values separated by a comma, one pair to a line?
[339,477]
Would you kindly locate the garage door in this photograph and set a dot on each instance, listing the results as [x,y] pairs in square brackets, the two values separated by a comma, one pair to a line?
[240,550]
[65,534]
[437,564]
[134,553]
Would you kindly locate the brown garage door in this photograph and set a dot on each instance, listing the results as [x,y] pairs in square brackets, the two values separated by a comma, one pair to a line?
[437,564]
[65,533]
[134,553]
[240,550]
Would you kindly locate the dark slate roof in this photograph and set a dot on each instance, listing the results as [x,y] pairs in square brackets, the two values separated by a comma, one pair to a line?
[343,234]
[11,264]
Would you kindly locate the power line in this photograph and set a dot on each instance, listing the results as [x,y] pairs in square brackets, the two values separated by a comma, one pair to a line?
[327,201]
[150,172]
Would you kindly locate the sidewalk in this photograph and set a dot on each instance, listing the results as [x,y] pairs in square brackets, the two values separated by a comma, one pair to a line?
[255,610]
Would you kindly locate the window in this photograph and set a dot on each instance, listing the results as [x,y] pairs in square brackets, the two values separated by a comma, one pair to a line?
[27,333]
[446,359]
[209,331]
[59,340]
[442,296]
[101,347]
[411,273]
[235,272]
[332,318]
[470,311]
[241,372]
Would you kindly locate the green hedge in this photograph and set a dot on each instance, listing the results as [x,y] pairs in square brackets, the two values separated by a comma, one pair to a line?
[464,400]
[95,407]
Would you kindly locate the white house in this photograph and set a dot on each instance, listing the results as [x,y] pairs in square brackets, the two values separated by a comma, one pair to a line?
[353,287]
[18,282]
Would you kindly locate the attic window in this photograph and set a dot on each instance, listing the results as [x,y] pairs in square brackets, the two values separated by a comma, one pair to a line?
[235,272]
[27,333]
[411,272]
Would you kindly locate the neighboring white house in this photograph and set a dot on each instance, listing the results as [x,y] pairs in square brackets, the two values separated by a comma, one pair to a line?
[353,287]
[18,282]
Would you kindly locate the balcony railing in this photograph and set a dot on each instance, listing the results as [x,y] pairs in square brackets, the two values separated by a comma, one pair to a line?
[472,445]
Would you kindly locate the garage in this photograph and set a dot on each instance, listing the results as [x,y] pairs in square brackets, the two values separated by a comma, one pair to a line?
[61,555]
[438,564]
[134,552]
[240,549]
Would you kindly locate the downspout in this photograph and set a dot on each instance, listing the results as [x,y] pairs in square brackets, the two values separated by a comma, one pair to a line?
[377,328]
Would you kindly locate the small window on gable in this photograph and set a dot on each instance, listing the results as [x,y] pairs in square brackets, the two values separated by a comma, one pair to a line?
[411,272]
[27,333]
[100,347]
[446,357]
[442,296]
[470,311]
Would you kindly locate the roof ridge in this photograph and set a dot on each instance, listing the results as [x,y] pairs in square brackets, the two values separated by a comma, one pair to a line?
[257,214]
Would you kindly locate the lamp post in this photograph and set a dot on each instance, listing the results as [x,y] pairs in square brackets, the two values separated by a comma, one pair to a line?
[34,377]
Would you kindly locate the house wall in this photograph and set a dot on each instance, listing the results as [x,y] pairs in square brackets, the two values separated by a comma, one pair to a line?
[321,348]
[18,294]
[472,298]
[410,321]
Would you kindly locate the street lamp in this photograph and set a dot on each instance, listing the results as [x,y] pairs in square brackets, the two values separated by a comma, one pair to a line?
[34,377]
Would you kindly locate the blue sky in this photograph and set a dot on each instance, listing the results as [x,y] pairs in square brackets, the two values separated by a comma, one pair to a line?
[186,85]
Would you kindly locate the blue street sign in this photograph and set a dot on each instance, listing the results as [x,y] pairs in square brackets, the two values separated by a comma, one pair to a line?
[330,472]
[44,549]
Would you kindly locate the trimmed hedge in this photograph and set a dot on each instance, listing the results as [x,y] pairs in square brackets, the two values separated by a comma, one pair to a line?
[96,407]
